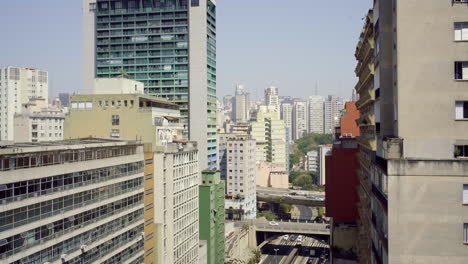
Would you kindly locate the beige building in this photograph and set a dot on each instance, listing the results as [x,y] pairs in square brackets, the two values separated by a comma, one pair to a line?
[272,175]
[418,172]
[156,123]
[270,135]
[177,177]
[37,122]
[18,86]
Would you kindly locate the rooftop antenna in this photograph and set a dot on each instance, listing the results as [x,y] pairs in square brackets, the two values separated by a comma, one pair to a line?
[316,88]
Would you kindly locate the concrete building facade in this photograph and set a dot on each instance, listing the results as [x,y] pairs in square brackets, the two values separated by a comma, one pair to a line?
[170,46]
[312,162]
[37,122]
[241,105]
[299,119]
[177,178]
[270,136]
[73,201]
[332,112]
[315,115]
[323,152]
[17,87]
[286,116]
[272,98]
[212,215]
[418,168]
[239,172]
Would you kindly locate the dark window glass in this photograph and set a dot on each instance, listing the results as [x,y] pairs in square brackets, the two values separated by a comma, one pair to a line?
[195,3]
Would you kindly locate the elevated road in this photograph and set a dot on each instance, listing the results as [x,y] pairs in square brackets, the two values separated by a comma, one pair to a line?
[290,199]
[287,227]
[296,197]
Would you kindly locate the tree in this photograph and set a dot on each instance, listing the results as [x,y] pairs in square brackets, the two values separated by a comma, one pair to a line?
[269,215]
[285,208]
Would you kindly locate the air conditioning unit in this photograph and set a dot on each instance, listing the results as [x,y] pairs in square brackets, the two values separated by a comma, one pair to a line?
[84,248]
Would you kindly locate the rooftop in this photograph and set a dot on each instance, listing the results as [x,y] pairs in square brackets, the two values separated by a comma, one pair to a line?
[27,147]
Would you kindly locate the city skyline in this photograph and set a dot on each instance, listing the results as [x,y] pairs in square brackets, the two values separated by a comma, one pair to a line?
[308,65]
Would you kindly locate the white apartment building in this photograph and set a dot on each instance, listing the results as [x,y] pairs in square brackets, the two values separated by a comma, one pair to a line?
[312,161]
[286,116]
[176,181]
[323,151]
[315,106]
[17,87]
[332,113]
[272,98]
[73,201]
[270,135]
[299,119]
[241,105]
[37,122]
[239,171]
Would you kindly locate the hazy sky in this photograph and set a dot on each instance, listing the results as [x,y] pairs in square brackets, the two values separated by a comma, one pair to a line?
[290,44]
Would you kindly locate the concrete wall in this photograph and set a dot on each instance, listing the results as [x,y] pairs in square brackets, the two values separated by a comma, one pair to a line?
[426,212]
[427,90]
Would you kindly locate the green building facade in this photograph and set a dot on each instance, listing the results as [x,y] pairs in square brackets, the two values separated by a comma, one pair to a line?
[211,221]
[170,46]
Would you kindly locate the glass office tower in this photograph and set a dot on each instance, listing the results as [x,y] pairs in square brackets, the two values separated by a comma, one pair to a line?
[170,45]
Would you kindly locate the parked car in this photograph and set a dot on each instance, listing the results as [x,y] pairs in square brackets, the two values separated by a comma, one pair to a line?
[286,237]
[273,223]
[292,238]
[299,238]
[328,226]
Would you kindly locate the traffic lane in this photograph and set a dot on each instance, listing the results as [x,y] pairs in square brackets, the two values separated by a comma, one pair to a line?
[275,256]
[305,212]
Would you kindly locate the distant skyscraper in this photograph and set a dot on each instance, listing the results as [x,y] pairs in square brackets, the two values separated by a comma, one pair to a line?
[286,116]
[170,46]
[299,119]
[17,87]
[241,105]
[272,98]
[270,135]
[64,99]
[332,113]
[315,105]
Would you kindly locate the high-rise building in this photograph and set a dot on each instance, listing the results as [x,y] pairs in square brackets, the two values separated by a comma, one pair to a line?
[18,86]
[315,107]
[64,99]
[241,105]
[299,119]
[332,113]
[312,161]
[270,136]
[177,177]
[73,201]
[323,152]
[286,116]
[237,154]
[212,190]
[272,98]
[418,170]
[120,114]
[170,46]
[37,122]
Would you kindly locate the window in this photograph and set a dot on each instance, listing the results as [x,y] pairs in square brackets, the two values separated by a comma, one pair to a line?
[461,70]
[465,194]
[461,151]
[115,120]
[115,133]
[465,233]
[195,3]
[461,110]
[461,31]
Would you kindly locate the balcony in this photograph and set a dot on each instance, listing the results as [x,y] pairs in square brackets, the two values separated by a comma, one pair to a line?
[366,97]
